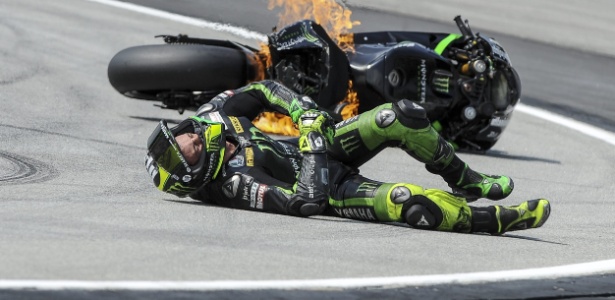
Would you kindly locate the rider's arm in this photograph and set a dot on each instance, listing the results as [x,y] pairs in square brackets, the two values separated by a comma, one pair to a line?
[257,190]
[254,98]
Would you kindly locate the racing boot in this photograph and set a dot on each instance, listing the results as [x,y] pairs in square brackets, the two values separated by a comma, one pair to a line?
[497,220]
[471,184]
[406,123]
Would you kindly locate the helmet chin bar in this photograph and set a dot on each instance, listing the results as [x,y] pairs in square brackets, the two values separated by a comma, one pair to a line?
[168,167]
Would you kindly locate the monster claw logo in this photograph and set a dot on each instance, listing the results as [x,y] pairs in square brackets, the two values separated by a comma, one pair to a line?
[213,145]
[367,189]
[179,188]
[310,38]
[441,84]
[259,136]
[350,144]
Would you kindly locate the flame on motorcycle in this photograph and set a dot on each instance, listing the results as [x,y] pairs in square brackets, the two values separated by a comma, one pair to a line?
[332,15]
[335,18]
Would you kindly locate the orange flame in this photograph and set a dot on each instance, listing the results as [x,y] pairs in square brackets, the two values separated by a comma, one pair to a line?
[334,17]
[351,102]
[277,123]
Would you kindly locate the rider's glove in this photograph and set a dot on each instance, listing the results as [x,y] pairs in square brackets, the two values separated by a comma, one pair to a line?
[320,121]
[314,121]
[300,105]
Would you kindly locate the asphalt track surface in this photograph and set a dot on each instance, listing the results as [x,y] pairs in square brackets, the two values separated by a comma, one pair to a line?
[80,219]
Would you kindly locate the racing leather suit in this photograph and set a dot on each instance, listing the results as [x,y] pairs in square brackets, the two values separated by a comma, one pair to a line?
[272,175]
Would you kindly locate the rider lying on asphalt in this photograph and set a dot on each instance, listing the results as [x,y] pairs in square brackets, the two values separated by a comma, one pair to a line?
[218,156]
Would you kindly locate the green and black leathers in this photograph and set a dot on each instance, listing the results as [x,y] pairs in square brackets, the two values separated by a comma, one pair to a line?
[283,175]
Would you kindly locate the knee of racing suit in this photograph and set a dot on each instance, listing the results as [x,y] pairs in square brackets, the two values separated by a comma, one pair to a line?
[423,209]
[421,140]
[407,122]
[305,207]
[411,115]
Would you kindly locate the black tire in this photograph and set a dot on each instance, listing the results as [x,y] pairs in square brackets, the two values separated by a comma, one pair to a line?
[144,71]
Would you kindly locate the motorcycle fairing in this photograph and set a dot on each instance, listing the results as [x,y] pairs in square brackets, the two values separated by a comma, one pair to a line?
[427,39]
[310,62]
[410,70]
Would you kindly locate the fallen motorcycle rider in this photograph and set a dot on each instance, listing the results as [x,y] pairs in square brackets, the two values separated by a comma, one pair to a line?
[218,156]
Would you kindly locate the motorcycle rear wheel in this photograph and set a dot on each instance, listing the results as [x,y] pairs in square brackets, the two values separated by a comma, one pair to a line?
[145,71]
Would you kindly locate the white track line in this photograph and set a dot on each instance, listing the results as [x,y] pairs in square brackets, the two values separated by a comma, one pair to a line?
[593,268]
[584,269]
[241,32]
[587,129]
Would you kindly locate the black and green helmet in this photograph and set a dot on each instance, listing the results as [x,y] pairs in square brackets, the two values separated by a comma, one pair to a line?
[168,167]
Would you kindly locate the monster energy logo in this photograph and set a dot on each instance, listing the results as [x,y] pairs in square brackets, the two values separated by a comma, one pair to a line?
[309,90]
[350,144]
[422,84]
[178,187]
[214,145]
[258,135]
[441,84]
[306,36]
[367,189]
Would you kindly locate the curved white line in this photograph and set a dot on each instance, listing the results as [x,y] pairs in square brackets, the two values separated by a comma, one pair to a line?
[584,269]
[592,268]
[237,31]
[587,129]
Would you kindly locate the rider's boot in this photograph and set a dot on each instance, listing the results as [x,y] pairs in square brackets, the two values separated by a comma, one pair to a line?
[472,184]
[438,210]
[407,125]
[499,219]
[424,143]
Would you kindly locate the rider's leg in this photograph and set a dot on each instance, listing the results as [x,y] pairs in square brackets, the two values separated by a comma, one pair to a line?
[405,124]
[431,209]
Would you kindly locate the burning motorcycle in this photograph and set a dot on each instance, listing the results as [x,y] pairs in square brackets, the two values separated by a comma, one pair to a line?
[465,81]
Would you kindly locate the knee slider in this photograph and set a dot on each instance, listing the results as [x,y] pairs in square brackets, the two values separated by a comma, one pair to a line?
[422,213]
[411,114]
[302,208]
[309,209]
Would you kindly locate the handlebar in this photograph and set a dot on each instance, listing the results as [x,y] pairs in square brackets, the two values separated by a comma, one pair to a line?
[464,27]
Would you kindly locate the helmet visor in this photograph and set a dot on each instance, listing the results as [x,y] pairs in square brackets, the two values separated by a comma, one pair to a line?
[165,151]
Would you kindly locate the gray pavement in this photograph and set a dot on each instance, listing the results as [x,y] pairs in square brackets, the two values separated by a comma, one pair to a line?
[578,24]
[76,204]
